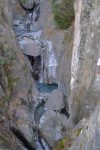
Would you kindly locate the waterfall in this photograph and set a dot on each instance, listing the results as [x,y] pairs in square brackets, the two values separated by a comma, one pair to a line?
[42,69]
[48,63]
[52,61]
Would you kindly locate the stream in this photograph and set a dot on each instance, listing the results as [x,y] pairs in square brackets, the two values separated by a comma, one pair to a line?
[26,34]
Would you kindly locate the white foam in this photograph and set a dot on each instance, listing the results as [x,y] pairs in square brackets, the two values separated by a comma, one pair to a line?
[98,63]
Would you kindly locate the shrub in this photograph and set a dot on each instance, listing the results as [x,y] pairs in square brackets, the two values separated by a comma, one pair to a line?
[63,13]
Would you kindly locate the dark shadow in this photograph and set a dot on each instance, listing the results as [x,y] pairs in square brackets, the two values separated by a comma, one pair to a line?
[21,137]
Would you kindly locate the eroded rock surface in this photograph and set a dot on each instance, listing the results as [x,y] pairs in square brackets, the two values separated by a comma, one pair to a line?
[88,136]
[85,56]
[55,101]
[53,126]
[17,87]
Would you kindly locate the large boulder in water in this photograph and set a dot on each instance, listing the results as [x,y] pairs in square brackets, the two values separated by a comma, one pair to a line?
[53,126]
[27,4]
[55,100]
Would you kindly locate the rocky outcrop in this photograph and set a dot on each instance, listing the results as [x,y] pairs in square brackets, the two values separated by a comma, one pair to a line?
[27,4]
[55,101]
[31,49]
[17,10]
[53,127]
[50,54]
[85,55]
[17,88]
[88,136]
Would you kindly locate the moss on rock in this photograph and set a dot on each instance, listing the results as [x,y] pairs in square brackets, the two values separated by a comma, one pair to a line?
[24,1]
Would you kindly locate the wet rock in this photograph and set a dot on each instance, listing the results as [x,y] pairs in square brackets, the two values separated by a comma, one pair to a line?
[53,126]
[55,101]
[48,64]
[16,22]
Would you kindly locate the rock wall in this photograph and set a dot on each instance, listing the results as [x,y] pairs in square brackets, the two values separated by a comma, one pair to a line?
[88,136]
[17,88]
[76,62]
[85,55]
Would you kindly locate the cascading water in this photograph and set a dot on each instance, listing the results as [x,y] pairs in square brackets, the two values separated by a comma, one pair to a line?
[48,64]
[25,31]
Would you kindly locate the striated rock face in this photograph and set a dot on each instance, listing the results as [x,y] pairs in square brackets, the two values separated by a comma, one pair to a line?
[16,84]
[85,55]
[89,135]
[56,59]
[64,67]
[62,43]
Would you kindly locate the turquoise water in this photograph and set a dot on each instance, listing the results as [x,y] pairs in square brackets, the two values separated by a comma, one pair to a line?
[40,110]
[46,88]
[43,88]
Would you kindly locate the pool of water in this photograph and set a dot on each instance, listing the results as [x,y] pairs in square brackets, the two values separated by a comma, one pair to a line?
[46,88]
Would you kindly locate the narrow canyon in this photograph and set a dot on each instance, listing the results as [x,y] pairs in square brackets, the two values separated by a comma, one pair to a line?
[49,74]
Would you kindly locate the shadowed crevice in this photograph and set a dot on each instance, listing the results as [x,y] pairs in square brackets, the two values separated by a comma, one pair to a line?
[21,137]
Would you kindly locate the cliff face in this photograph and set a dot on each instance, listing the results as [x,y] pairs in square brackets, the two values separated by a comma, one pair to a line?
[88,136]
[75,49]
[16,83]
[84,60]
[85,81]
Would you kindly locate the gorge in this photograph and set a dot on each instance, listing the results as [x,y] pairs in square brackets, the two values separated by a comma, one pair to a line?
[49,74]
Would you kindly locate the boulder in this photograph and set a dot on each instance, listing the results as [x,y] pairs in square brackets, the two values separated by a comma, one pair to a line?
[27,4]
[53,126]
[31,49]
[55,101]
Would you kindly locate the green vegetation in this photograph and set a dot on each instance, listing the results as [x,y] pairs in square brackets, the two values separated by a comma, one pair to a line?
[63,13]
[78,131]
[6,61]
[24,1]
[63,143]
[25,68]
[2,60]
[7,57]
